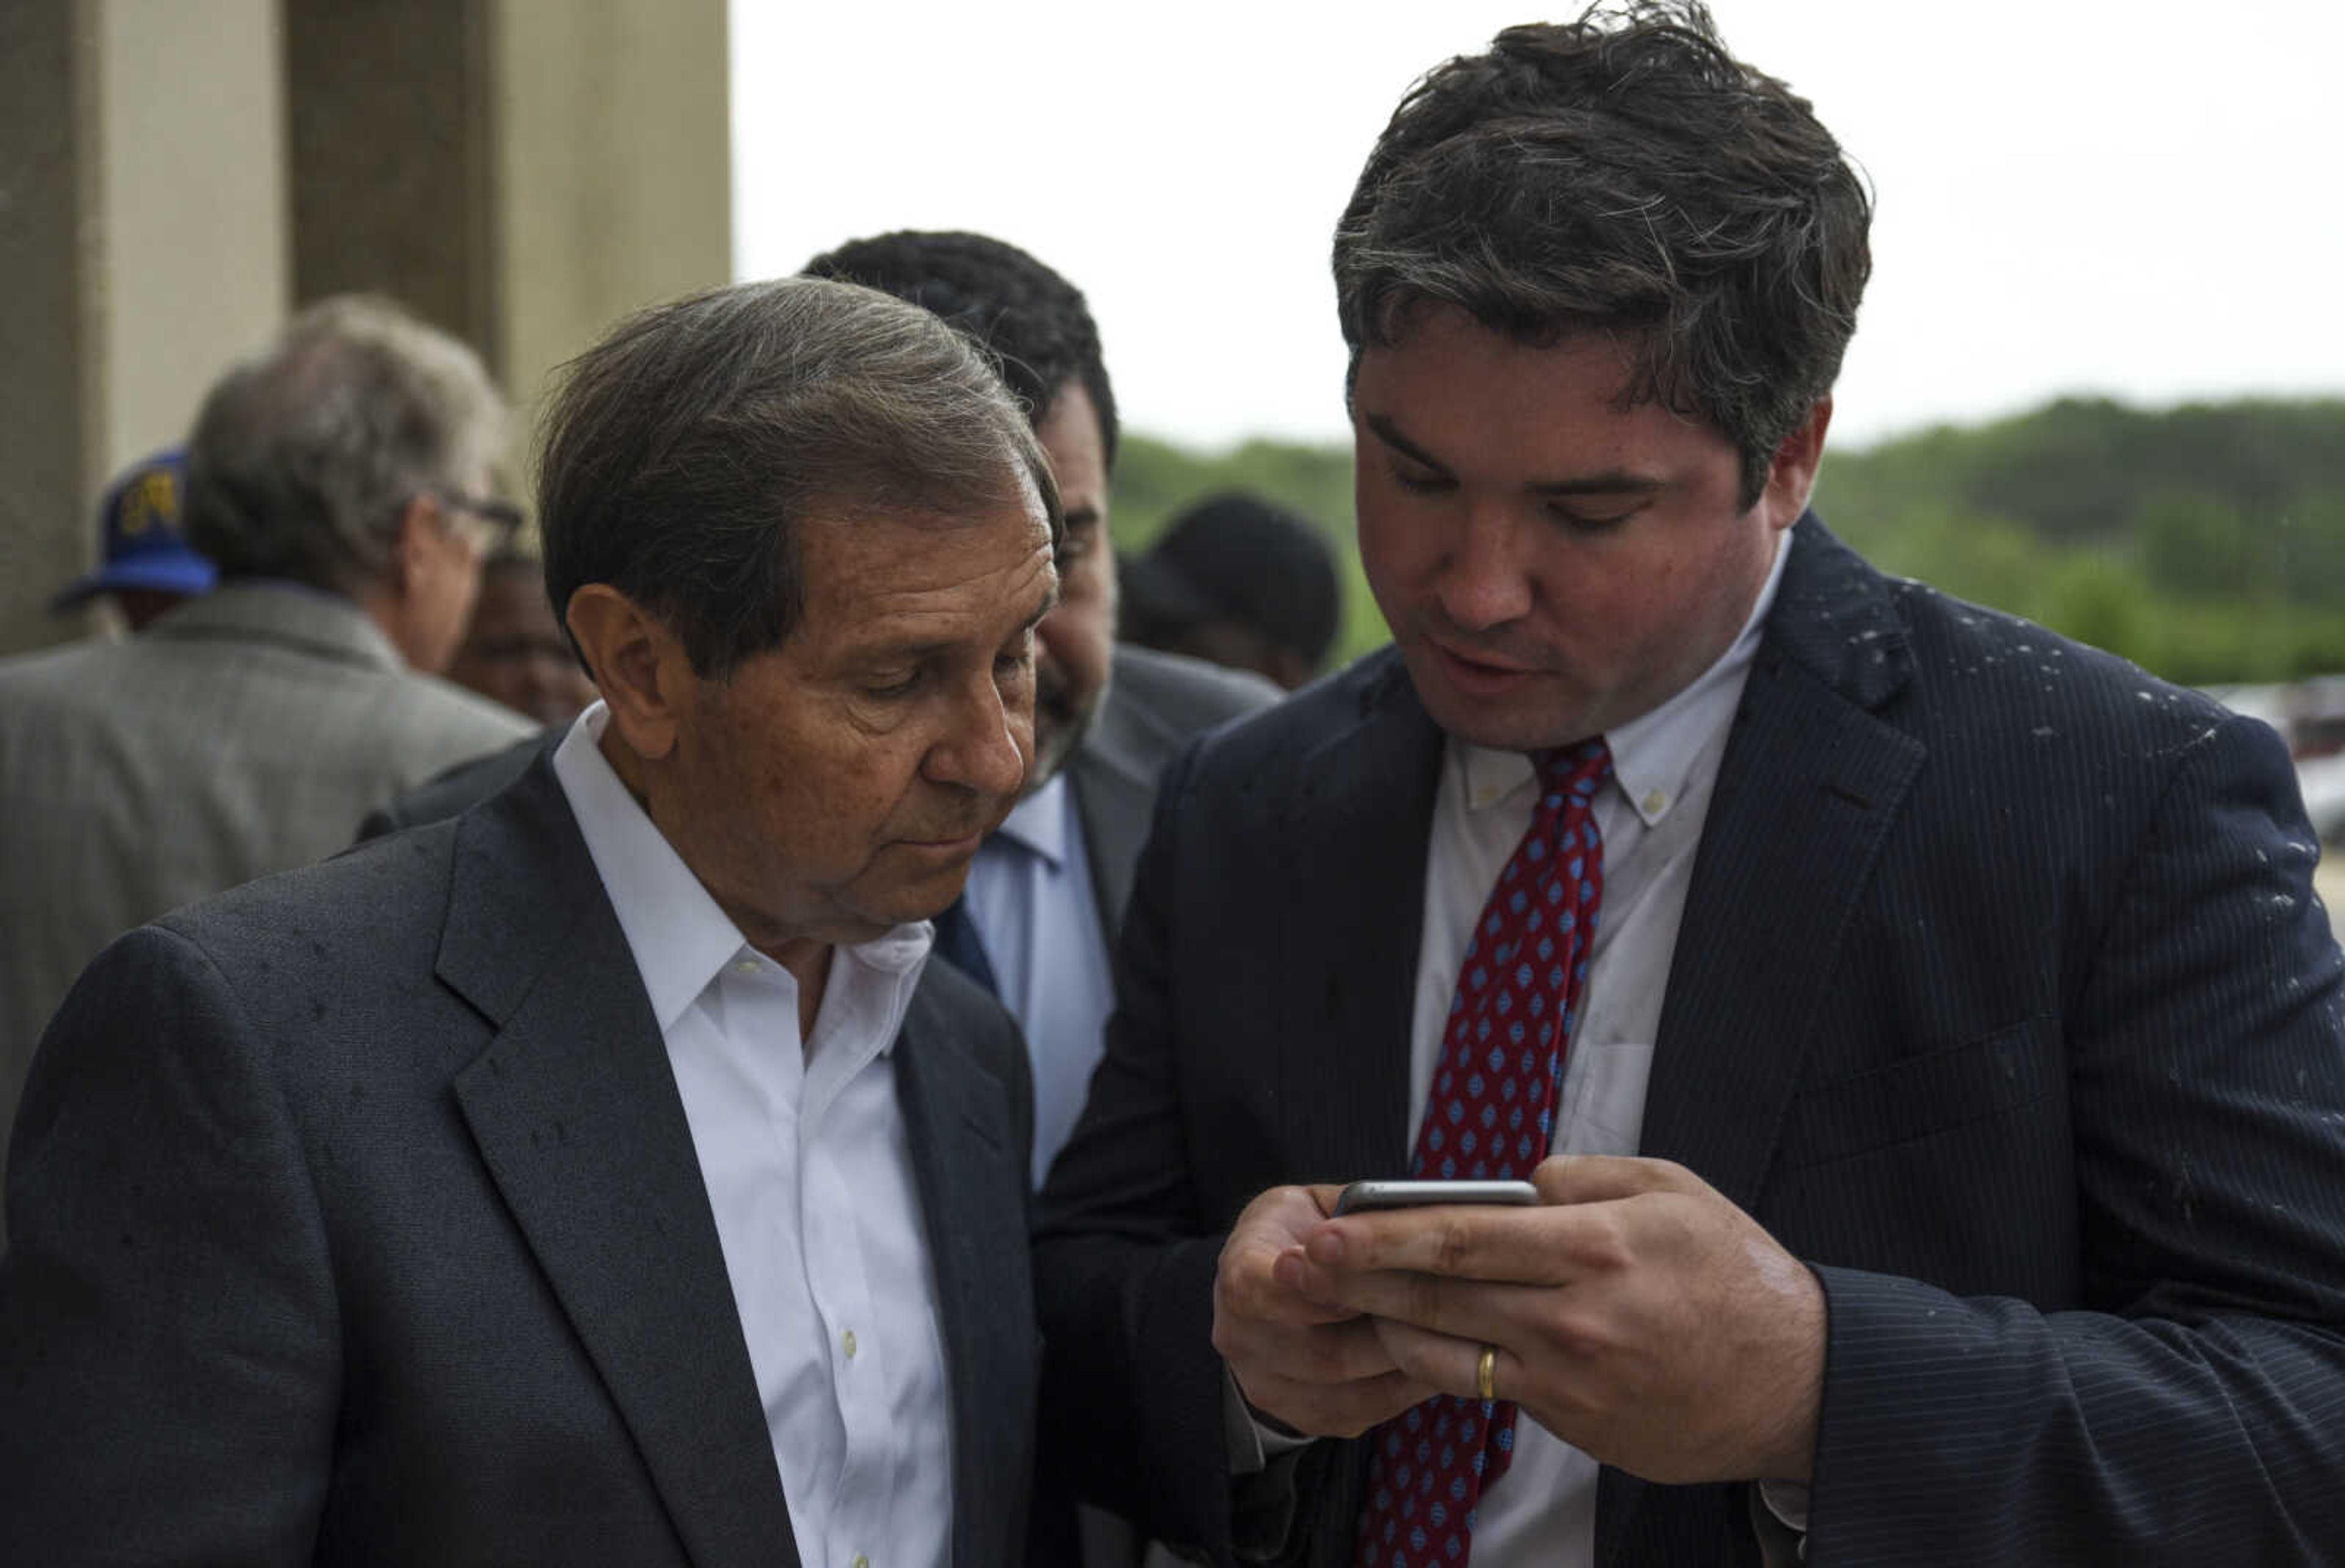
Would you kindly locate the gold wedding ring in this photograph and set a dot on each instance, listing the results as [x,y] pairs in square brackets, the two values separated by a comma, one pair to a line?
[1486,1373]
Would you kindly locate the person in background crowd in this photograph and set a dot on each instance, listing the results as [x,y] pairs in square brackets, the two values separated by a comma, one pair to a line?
[1047,894]
[339,481]
[515,652]
[145,565]
[1241,581]
[1938,1041]
[604,1175]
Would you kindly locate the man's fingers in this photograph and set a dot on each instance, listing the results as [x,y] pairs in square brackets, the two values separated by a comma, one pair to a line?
[1342,1353]
[1473,1242]
[1579,1226]
[1445,1362]
[1250,1288]
[1602,1177]
[1345,1409]
[1465,1308]
[1543,1244]
[1247,1284]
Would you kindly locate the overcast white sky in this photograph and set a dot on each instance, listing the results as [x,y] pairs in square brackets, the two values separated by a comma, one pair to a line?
[2127,197]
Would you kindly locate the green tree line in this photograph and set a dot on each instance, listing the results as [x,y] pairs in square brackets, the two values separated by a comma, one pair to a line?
[2205,542]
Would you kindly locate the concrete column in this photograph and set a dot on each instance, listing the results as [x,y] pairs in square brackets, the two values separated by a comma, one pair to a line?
[519,172]
[194,270]
[613,172]
[143,242]
[49,447]
[388,109]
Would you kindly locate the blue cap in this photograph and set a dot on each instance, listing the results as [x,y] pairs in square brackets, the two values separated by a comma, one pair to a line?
[140,542]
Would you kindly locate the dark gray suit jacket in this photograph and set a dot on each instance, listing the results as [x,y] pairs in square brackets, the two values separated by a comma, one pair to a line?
[355,1217]
[2001,997]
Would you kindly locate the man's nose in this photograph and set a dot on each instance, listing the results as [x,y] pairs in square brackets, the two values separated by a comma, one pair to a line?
[988,744]
[1482,583]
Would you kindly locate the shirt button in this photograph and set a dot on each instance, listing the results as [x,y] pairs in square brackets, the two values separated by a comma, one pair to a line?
[746,966]
[859,1561]
[847,1343]
[1654,800]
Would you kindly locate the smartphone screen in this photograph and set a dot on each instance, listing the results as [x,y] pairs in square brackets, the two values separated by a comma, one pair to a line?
[1363,1196]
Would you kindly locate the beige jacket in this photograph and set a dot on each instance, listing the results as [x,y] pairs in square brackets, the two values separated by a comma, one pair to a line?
[244,733]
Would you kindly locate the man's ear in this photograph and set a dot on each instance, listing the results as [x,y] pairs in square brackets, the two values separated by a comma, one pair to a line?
[639,664]
[420,525]
[1792,478]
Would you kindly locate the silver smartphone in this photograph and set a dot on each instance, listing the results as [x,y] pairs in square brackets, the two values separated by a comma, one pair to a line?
[1363,1196]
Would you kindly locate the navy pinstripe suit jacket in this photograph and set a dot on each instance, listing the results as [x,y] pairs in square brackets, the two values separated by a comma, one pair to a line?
[2001,997]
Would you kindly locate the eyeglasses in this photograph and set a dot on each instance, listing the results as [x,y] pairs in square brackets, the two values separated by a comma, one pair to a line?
[503,518]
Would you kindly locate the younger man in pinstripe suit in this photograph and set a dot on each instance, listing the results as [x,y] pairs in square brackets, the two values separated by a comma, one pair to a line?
[1937,1036]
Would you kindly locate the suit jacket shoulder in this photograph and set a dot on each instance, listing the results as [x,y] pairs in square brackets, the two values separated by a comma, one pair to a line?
[462,787]
[1155,704]
[2003,926]
[1170,698]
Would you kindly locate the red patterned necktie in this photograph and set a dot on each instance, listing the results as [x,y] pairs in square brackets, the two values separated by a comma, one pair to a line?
[1491,1116]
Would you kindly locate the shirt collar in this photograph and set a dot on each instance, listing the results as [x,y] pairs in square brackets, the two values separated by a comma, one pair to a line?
[1653,755]
[682,941]
[1039,824]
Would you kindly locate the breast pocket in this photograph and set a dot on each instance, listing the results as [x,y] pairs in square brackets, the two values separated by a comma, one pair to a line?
[1925,1096]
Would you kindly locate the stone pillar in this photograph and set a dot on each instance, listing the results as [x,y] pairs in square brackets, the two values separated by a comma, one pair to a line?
[387,116]
[614,171]
[519,172]
[50,451]
[142,236]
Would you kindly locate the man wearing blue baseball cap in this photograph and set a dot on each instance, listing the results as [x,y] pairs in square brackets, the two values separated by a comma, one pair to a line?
[147,566]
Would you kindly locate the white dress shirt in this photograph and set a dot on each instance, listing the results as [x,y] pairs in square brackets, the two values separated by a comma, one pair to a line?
[802,1152]
[1542,1511]
[1033,903]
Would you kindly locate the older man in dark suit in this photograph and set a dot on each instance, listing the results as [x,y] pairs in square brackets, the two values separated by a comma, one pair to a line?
[1932,1016]
[603,1175]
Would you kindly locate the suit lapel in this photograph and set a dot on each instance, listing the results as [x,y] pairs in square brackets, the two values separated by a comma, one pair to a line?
[1810,784]
[1356,836]
[577,1117]
[1114,797]
[959,1124]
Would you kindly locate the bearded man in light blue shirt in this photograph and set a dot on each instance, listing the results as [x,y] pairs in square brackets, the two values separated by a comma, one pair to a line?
[1046,896]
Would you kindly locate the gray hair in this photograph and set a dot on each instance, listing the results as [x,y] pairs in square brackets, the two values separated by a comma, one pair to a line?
[677,455]
[305,458]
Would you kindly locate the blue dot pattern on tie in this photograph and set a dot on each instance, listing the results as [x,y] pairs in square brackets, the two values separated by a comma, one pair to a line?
[1527,959]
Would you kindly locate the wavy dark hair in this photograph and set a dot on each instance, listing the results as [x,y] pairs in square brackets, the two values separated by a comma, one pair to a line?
[1622,173]
[1035,323]
[678,453]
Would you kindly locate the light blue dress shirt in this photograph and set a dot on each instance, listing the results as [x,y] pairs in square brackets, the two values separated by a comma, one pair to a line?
[1031,899]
